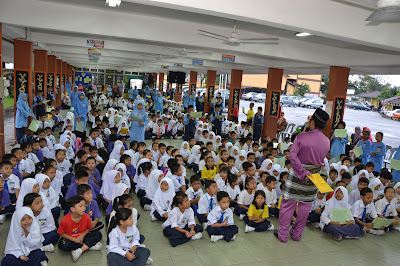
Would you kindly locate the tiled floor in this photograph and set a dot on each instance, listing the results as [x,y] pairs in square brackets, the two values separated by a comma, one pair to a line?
[262,248]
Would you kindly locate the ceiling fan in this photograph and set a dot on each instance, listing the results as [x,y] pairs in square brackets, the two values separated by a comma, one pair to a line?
[385,10]
[184,51]
[234,40]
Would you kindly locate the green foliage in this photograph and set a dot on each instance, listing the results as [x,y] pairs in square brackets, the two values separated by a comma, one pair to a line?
[302,89]
[8,102]
[324,86]
[367,83]
[388,92]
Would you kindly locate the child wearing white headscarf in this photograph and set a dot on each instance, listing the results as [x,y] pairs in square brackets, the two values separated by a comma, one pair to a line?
[123,128]
[51,195]
[24,243]
[124,177]
[375,184]
[110,165]
[118,190]
[242,158]
[185,152]
[117,151]
[152,185]
[161,205]
[30,185]
[112,179]
[339,230]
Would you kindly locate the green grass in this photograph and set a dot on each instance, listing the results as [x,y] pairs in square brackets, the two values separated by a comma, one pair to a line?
[8,102]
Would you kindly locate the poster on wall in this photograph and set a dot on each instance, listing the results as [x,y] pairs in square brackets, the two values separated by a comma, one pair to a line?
[228,58]
[127,79]
[138,83]
[197,62]
[83,78]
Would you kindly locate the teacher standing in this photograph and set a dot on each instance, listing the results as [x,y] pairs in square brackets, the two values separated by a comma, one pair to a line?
[307,157]
[22,115]
[136,131]
[81,110]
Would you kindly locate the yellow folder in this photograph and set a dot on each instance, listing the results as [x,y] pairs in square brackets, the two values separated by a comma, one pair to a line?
[320,183]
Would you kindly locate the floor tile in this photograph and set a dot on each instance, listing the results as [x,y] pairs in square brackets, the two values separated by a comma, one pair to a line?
[162,262]
[182,250]
[239,257]
[214,259]
[192,260]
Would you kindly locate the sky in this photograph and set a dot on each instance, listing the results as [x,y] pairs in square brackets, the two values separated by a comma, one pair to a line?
[391,79]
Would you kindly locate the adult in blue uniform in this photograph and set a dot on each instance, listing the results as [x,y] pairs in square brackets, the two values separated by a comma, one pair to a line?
[22,115]
[147,94]
[158,103]
[185,100]
[258,121]
[192,99]
[190,124]
[39,104]
[74,96]
[338,146]
[81,109]
[136,131]
[131,94]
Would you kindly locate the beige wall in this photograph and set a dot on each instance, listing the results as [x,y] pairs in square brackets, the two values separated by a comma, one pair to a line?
[260,81]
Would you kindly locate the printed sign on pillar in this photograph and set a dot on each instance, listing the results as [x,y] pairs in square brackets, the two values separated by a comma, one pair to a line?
[39,81]
[338,111]
[179,89]
[274,108]
[236,97]
[161,86]
[50,80]
[21,82]
[58,81]
[193,88]
[210,93]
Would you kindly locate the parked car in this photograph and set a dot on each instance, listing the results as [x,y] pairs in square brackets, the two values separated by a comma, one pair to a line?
[287,100]
[313,103]
[248,96]
[260,97]
[296,99]
[302,100]
[396,115]
[358,106]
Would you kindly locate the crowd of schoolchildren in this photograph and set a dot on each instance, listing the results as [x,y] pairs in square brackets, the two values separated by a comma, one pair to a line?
[236,172]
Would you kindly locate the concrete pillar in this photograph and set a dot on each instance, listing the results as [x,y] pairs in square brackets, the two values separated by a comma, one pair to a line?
[161,83]
[40,75]
[336,97]
[235,90]
[23,63]
[2,142]
[58,82]
[192,82]
[272,102]
[210,89]
[51,74]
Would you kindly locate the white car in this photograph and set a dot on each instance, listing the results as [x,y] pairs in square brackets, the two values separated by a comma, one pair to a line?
[260,97]
[390,113]
[247,96]
[313,103]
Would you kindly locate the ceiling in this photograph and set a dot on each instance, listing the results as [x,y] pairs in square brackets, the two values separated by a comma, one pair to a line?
[136,33]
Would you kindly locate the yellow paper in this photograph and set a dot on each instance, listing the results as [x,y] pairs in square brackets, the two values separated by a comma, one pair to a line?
[320,183]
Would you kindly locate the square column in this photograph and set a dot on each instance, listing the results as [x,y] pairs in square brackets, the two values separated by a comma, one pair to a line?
[192,82]
[210,89]
[51,74]
[235,90]
[40,74]
[23,63]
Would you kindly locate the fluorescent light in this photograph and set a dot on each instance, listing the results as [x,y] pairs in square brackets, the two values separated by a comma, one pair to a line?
[303,34]
[113,3]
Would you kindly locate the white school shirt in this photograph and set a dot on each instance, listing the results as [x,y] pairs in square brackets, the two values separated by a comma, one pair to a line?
[270,196]
[380,206]
[358,208]
[13,183]
[325,218]
[233,192]
[221,184]
[46,221]
[63,167]
[354,196]
[194,194]
[164,160]
[70,153]
[180,126]
[142,182]
[183,171]
[150,125]
[56,184]
[178,181]
[25,167]
[204,203]
[178,219]
[99,142]
[159,129]
[234,170]
[120,243]
[31,156]
[46,153]
[156,154]
[202,163]
[214,216]
[45,124]
[52,139]
[245,198]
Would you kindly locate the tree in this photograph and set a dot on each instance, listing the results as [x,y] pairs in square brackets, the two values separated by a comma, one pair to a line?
[388,92]
[324,86]
[302,89]
[367,83]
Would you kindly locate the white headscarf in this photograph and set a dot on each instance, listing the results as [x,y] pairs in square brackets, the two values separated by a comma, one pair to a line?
[335,166]
[195,153]
[374,182]
[136,177]
[153,184]
[17,244]
[227,146]
[164,199]
[50,194]
[26,188]
[333,203]
[356,177]
[264,165]
[118,190]
[185,152]
[343,167]
[108,185]
[211,137]
[217,144]
[109,166]
[124,177]
[197,136]
[239,162]
[278,168]
[116,152]
[235,148]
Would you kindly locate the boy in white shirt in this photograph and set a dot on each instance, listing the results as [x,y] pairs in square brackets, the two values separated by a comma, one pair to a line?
[207,202]
[49,135]
[159,129]
[94,138]
[44,123]
[163,161]
[22,165]
[364,212]
[194,192]
[154,150]
[386,208]
[42,135]
[355,193]
[63,164]
[11,181]
[220,220]
[177,178]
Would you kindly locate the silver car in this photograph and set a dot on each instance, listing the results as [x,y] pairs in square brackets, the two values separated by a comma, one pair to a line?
[313,103]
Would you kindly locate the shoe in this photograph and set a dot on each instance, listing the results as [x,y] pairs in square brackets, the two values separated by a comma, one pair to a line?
[48,248]
[197,236]
[397,228]
[377,232]
[271,228]
[98,226]
[205,226]
[43,263]
[242,216]
[98,246]
[146,207]
[149,261]
[276,234]
[363,232]
[2,219]
[76,254]
[153,218]
[142,245]
[315,225]
[233,238]
[338,238]
[249,229]
[215,238]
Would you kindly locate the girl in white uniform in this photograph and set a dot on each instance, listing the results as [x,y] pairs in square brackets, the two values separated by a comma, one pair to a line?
[161,205]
